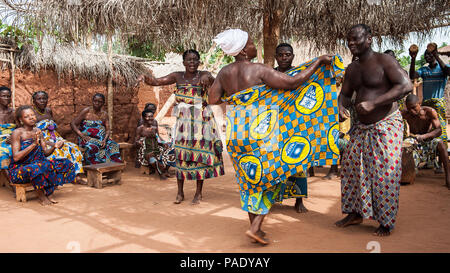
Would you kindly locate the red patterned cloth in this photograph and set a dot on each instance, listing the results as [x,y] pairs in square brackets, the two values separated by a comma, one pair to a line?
[371,170]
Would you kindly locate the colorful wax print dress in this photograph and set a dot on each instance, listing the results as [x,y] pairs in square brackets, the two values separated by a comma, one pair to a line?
[5,148]
[274,134]
[69,150]
[94,153]
[164,155]
[371,170]
[43,173]
[198,148]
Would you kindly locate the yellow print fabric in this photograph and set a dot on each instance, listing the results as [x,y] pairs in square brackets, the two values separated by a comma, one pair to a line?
[273,134]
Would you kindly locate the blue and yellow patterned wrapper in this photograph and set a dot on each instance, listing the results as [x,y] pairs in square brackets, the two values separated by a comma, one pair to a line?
[273,134]
[5,148]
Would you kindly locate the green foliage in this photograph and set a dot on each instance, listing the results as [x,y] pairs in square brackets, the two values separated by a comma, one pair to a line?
[145,50]
[218,56]
[20,36]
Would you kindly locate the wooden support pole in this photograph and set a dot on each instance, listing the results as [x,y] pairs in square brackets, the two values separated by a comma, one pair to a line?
[110,87]
[271,31]
[13,83]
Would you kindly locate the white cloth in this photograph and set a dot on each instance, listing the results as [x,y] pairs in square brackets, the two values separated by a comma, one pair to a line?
[232,41]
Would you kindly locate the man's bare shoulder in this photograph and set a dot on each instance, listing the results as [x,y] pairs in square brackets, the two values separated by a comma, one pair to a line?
[352,68]
[430,112]
[386,60]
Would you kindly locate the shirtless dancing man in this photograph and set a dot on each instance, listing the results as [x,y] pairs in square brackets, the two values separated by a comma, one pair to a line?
[371,164]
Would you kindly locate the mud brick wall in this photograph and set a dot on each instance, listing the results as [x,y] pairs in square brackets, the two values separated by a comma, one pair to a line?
[68,96]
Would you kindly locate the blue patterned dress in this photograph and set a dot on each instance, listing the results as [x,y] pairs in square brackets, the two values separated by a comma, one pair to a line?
[69,150]
[36,169]
[5,148]
[94,154]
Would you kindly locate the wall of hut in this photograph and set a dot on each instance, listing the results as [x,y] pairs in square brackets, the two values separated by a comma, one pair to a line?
[67,97]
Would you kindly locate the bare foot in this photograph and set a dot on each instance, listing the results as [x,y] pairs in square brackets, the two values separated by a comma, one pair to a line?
[330,176]
[261,234]
[180,198]
[162,177]
[52,200]
[79,180]
[44,201]
[351,219]
[299,207]
[197,199]
[256,237]
[382,231]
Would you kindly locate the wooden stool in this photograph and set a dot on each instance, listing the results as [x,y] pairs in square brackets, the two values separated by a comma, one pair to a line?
[124,146]
[112,170]
[21,190]
[408,165]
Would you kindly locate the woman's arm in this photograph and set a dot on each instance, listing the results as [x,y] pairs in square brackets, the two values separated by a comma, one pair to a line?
[75,124]
[150,79]
[15,145]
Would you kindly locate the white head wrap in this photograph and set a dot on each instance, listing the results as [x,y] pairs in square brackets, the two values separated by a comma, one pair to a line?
[232,41]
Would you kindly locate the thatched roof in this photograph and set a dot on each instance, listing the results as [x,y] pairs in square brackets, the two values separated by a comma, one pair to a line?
[75,61]
[193,23]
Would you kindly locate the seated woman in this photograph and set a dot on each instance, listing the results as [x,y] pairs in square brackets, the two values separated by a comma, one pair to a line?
[92,128]
[7,126]
[46,123]
[151,148]
[29,163]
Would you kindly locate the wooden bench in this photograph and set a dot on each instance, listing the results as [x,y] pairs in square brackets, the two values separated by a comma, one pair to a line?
[112,172]
[124,147]
[21,190]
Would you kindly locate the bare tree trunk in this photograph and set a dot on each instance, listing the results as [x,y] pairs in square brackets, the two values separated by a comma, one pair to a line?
[110,87]
[271,31]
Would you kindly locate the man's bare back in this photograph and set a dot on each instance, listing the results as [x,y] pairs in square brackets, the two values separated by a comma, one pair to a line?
[243,74]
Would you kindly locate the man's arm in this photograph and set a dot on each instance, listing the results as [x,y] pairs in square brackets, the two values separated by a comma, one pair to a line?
[432,115]
[345,96]
[412,68]
[401,85]
[216,91]
[444,67]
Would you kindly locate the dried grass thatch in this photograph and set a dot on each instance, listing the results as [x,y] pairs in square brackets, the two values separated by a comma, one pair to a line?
[193,23]
[75,61]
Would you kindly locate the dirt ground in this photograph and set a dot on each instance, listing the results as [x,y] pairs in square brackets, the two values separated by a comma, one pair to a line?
[140,216]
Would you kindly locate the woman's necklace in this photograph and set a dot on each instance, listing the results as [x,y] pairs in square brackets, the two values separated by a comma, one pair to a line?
[37,110]
[196,77]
